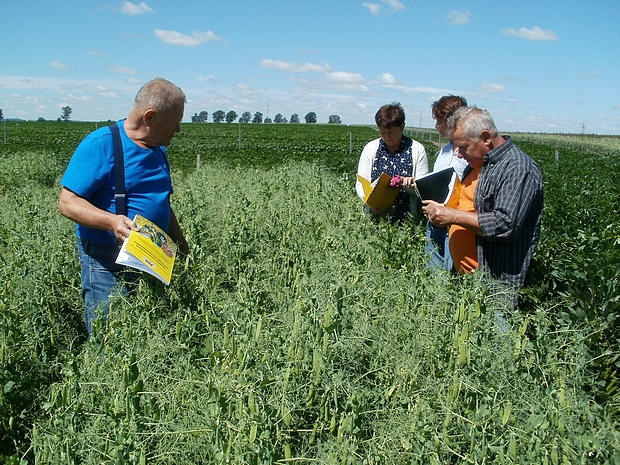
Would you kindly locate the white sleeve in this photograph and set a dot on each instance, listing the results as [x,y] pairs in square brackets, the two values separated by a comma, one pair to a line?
[419,159]
[364,167]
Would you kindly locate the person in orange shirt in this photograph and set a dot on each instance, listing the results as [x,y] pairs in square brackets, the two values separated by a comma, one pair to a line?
[462,241]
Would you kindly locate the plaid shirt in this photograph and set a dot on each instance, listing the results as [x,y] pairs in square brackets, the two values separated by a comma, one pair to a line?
[509,203]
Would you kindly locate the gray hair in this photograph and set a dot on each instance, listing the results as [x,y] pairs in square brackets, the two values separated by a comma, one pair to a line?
[474,120]
[160,95]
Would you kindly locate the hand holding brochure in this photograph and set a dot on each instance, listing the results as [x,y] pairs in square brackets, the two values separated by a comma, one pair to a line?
[149,249]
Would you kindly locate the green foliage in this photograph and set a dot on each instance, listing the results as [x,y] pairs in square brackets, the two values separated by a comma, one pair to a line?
[301,330]
[606,146]
[577,264]
[39,295]
[249,145]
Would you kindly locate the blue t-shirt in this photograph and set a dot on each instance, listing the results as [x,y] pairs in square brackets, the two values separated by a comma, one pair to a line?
[90,174]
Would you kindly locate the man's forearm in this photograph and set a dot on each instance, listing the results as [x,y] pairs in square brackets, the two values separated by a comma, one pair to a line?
[443,216]
[81,211]
[468,220]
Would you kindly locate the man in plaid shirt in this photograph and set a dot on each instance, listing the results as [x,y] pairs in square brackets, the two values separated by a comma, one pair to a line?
[497,222]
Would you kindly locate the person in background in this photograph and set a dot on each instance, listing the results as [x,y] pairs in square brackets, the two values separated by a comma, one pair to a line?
[437,246]
[394,154]
[497,223]
[88,188]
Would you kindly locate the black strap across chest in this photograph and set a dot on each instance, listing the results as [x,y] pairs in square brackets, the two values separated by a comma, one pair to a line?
[120,197]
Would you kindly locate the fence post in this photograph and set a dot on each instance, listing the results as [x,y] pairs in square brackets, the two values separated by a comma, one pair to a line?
[197,161]
[557,155]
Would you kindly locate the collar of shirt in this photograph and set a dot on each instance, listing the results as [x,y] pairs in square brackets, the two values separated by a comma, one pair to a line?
[401,148]
[495,155]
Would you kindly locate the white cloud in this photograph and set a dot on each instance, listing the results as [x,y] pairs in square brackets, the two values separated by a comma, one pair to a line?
[294,67]
[492,88]
[211,79]
[56,65]
[73,98]
[458,18]
[296,79]
[136,9]
[535,33]
[386,79]
[432,91]
[177,38]
[591,75]
[395,4]
[96,53]
[347,82]
[375,8]
[120,69]
[109,95]
[345,78]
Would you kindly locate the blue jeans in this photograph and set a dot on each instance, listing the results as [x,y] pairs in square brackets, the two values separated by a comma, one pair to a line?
[437,247]
[101,277]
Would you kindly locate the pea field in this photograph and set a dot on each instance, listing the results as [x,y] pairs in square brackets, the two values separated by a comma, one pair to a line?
[301,330]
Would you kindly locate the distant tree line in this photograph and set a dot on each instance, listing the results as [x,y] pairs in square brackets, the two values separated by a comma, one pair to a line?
[230,117]
[246,117]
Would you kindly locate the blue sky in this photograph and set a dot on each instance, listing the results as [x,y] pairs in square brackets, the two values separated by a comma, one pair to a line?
[538,66]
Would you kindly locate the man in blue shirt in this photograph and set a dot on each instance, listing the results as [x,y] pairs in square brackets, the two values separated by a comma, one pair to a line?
[87,196]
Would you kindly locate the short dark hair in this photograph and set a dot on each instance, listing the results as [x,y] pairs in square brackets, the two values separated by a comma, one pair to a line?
[390,116]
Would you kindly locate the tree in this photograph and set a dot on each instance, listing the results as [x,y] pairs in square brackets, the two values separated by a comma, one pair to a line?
[334,119]
[279,118]
[219,116]
[245,117]
[231,116]
[268,120]
[311,117]
[258,117]
[1,115]
[294,118]
[201,117]
[66,113]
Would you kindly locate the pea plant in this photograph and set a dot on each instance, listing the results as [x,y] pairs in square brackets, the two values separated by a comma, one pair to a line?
[300,329]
